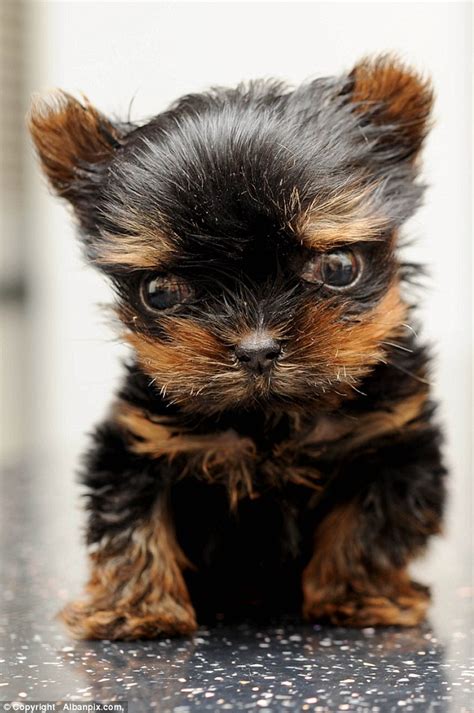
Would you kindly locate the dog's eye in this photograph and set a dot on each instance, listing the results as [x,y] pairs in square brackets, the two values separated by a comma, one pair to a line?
[160,292]
[337,269]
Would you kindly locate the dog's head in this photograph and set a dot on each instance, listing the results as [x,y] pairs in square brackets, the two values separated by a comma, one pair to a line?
[250,233]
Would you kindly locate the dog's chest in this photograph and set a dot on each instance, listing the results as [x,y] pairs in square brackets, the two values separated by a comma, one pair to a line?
[248,457]
[256,461]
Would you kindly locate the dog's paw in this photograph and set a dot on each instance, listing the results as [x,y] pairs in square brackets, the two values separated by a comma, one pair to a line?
[86,621]
[406,608]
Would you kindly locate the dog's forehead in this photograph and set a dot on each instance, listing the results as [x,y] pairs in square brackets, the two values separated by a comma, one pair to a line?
[227,181]
[215,174]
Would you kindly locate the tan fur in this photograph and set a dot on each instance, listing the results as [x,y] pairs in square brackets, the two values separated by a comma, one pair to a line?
[136,588]
[337,587]
[344,351]
[67,133]
[359,345]
[397,416]
[190,361]
[396,96]
[343,434]
[142,248]
[216,457]
[344,218]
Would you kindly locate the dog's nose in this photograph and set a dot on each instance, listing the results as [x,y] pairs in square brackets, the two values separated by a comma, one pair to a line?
[258,352]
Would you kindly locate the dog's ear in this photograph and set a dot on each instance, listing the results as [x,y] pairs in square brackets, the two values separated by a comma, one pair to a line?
[394,103]
[75,143]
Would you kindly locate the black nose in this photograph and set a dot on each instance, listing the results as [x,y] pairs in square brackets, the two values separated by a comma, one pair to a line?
[258,352]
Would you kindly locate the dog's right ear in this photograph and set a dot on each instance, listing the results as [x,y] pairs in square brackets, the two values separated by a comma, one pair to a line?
[75,143]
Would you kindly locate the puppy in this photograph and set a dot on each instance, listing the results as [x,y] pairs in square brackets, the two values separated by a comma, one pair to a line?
[272,448]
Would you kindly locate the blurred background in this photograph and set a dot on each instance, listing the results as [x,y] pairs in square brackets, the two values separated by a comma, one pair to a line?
[60,362]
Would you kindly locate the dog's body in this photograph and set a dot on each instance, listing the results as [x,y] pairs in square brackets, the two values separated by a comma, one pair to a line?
[272,447]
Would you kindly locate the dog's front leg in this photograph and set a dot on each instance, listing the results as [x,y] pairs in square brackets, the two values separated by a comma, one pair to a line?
[136,587]
[378,515]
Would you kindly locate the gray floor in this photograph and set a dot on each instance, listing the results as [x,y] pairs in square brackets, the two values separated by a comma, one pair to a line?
[285,666]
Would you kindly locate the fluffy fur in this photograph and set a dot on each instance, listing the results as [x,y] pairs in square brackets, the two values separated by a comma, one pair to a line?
[308,486]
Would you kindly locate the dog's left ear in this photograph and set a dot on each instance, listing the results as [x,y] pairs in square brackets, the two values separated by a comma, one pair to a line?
[75,143]
[395,103]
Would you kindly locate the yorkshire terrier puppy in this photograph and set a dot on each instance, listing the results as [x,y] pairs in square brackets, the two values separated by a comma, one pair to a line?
[272,448]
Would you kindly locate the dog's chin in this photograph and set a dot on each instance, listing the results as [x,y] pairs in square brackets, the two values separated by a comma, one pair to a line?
[264,393]
[251,392]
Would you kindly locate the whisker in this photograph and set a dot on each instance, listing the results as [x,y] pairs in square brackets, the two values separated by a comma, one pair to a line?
[362,393]
[398,346]
[410,328]
[410,373]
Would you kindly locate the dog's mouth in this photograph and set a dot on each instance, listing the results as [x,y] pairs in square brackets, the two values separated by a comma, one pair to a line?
[291,383]
[260,383]
[267,387]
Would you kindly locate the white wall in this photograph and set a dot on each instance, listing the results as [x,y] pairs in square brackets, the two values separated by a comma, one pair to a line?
[154,52]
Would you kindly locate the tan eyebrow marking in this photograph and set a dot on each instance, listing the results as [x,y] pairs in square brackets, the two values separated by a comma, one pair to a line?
[144,250]
[140,242]
[346,217]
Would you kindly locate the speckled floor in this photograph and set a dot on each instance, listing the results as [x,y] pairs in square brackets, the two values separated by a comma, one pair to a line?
[280,667]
